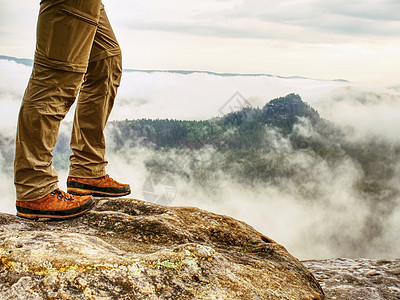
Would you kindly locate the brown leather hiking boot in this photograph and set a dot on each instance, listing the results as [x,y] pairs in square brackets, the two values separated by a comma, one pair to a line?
[104,187]
[56,205]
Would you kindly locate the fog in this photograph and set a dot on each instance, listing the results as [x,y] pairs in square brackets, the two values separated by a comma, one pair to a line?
[367,109]
[315,214]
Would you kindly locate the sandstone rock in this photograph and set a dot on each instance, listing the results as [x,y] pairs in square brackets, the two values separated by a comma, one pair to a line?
[131,249]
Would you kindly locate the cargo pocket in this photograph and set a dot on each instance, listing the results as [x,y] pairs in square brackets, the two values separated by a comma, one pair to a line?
[71,37]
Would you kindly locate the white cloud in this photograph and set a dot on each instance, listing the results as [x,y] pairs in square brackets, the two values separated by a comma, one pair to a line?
[13,80]
[369,109]
[267,19]
[372,112]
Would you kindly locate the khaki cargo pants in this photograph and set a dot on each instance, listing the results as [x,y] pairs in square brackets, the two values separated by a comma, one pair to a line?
[76,53]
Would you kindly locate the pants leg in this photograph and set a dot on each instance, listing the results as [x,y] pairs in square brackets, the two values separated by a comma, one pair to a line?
[95,103]
[47,99]
[65,35]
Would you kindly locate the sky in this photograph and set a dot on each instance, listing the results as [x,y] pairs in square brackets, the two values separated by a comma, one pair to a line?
[353,40]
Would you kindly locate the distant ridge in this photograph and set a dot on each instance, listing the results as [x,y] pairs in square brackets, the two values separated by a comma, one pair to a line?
[23,61]
[188,72]
[29,62]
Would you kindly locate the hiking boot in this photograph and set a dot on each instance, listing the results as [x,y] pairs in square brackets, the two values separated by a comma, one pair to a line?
[103,187]
[56,205]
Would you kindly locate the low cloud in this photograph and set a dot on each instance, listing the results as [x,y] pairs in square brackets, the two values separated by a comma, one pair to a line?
[316,212]
[367,111]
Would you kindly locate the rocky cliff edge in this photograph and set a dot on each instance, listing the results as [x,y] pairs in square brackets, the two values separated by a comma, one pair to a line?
[131,249]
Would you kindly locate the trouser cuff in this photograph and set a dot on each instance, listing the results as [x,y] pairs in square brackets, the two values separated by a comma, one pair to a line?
[36,193]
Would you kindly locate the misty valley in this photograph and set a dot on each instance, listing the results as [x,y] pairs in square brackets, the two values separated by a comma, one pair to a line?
[268,166]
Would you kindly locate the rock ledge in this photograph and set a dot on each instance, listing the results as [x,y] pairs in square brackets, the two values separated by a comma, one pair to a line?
[127,248]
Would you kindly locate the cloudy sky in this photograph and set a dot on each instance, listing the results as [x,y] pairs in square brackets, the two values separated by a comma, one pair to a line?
[354,40]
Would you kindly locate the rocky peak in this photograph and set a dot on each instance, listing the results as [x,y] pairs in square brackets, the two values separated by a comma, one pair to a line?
[286,109]
[131,249]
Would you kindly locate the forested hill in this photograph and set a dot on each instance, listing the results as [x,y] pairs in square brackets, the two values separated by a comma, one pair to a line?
[240,129]
[258,144]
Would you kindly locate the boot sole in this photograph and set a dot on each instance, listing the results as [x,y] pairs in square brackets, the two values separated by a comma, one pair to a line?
[85,192]
[33,216]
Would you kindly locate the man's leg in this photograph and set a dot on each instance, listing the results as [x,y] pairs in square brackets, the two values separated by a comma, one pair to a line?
[47,99]
[96,99]
[65,34]
[95,102]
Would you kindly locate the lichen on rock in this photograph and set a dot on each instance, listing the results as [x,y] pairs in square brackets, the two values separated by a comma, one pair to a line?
[131,249]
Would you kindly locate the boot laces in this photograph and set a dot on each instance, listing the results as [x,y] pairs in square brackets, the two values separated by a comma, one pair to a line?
[109,177]
[64,195]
